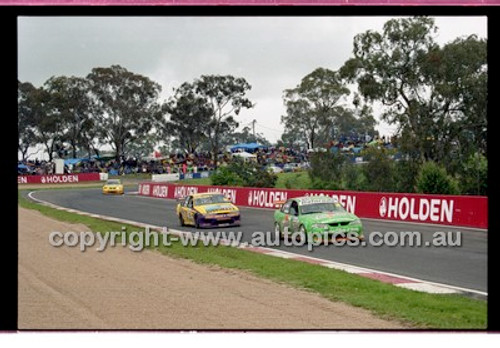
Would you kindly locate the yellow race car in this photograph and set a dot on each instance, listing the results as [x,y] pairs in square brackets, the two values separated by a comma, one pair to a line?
[113,186]
[207,210]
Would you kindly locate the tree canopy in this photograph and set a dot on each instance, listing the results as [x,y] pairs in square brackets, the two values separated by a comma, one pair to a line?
[313,105]
[225,97]
[26,117]
[125,105]
[189,117]
[316,110]
[435,95]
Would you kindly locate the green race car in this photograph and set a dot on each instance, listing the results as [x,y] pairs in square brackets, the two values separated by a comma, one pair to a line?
[316,217]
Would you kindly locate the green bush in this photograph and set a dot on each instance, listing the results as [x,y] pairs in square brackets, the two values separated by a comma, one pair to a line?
[405,175]
[292,181]
[326,170]
[354,178]
[331,171]
[241,173]
[379,170]
[474,175]
[433,178]
[225,177]
[319,184]
[260,178]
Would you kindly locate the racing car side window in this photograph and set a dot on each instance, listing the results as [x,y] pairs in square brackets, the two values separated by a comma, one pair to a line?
[190,202]
[286,207]
[294,208]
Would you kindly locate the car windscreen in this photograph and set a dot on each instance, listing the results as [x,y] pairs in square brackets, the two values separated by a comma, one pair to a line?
[209,200]
[321,208]
[113,182]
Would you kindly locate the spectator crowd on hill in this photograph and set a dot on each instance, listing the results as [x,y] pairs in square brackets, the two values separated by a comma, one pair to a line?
[199,161]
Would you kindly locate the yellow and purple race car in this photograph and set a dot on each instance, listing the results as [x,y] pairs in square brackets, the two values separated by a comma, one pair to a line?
[207,210]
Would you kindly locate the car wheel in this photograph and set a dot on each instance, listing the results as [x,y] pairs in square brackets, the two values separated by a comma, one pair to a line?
[302,237]
[277,230]
[196,222]
[181,220]
[315,238]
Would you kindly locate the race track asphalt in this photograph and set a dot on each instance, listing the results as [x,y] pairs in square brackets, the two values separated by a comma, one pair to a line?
[464,266]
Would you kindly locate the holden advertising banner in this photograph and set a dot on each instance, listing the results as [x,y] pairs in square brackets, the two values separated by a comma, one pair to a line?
[470,211]
[58,178]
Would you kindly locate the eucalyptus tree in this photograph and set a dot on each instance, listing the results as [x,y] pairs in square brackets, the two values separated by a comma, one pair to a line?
[314,104]
[435,95]
[125,106]
[224,97]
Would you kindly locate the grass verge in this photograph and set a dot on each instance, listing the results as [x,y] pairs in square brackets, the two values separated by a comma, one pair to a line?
[135,176]
[199,181]
[297,180]
[414,309]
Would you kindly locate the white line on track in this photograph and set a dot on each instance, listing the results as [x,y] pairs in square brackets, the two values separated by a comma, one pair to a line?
[370,270]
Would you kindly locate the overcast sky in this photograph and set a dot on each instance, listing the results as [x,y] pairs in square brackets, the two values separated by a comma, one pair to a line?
[271,53]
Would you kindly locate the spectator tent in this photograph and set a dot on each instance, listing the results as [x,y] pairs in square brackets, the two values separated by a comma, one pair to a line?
[73,161]
[249,147]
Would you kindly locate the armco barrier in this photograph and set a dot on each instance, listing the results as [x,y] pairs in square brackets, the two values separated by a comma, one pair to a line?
[164,177]
[194,175]
[469,211]
[58,178]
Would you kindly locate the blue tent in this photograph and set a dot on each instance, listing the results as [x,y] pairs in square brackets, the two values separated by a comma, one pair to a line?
[247,147]
[22,166]
[74,161]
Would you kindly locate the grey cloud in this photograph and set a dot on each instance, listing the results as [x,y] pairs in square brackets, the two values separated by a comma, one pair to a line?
[271,53]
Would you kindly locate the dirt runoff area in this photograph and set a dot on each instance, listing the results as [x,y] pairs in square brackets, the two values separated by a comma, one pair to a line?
[63,288]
